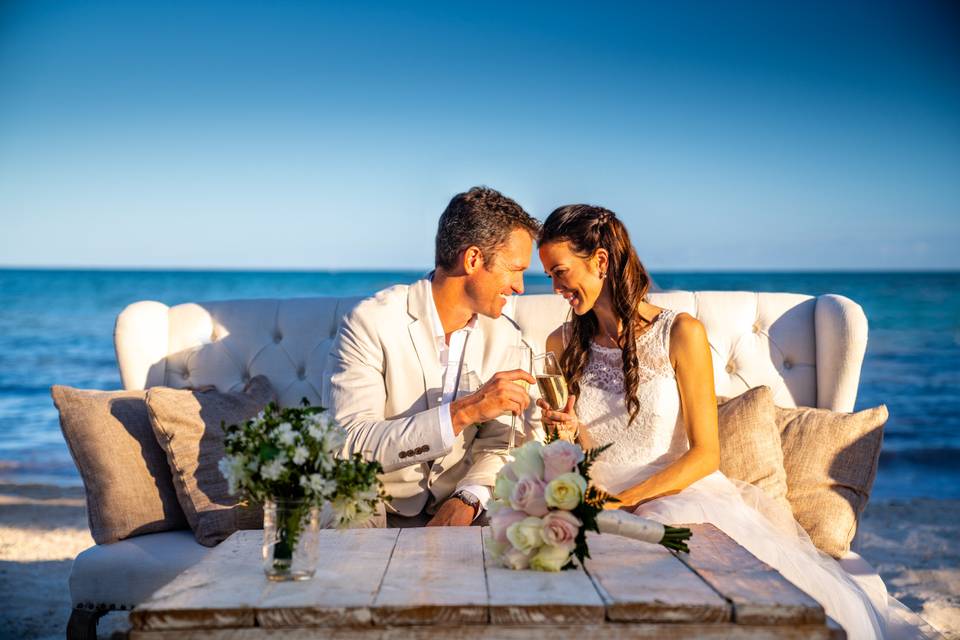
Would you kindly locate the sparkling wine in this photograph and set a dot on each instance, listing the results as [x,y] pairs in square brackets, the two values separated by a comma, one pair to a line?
[553,389]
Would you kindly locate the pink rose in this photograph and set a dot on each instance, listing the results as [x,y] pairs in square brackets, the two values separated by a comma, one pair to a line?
[501,519]
[560,529]
[528,496]
[560,457]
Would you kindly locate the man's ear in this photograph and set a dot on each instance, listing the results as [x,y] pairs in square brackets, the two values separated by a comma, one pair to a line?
[472,259]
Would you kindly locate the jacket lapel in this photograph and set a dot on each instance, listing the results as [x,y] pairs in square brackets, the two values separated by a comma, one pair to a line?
[424,342]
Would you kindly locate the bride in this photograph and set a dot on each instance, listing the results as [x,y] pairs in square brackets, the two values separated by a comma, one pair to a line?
[640,377]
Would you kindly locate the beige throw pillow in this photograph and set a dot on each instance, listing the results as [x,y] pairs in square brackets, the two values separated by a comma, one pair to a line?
[750,443]
[831,461]
[124,471]
[188,425]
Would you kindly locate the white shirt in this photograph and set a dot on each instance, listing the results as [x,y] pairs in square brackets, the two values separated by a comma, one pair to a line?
[451,359]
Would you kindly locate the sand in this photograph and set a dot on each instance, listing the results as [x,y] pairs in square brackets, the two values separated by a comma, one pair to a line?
[915,544]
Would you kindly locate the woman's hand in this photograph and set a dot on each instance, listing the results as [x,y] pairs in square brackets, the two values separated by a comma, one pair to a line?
[564,422]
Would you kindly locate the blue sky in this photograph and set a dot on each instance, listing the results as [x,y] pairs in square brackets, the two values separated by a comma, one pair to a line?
[731,135]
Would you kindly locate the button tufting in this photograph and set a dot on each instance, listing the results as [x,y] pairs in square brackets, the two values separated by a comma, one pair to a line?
[730,368]
[246,376]
[277,338]
[302,373]
[756,328]
[787,364]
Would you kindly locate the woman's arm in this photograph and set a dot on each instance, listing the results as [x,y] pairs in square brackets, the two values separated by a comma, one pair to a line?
[690,357]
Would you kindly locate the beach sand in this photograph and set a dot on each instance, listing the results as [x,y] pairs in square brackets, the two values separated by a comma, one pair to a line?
[915,544]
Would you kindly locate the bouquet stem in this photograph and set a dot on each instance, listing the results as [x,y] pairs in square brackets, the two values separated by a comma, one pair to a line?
[631,526]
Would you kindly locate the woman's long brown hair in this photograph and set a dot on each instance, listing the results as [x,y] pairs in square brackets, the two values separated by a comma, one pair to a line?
[588,228]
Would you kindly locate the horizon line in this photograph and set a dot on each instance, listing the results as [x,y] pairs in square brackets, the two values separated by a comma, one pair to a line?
[424,270]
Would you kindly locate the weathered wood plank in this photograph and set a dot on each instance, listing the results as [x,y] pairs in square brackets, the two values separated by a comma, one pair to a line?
[759,594]
[219,591]
[351,567]
[435,577]
[642,582]
[608,631]
[537,597]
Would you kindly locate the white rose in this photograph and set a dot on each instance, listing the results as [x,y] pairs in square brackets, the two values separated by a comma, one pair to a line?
[273,469]
[528,460]
[300,455]
[503,488]
[526,535]
[565,491]
[284,434]
[515,559]
[550,558]
[321,486]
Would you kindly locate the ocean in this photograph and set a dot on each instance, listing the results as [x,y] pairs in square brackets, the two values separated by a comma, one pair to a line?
[56,327]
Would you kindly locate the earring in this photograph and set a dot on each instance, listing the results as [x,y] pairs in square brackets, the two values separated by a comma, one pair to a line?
[603,275]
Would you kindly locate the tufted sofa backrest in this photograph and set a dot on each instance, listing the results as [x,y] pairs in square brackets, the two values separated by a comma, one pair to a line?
[808,350]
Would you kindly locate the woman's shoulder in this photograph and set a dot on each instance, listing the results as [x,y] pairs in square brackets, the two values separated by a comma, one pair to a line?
[686,332]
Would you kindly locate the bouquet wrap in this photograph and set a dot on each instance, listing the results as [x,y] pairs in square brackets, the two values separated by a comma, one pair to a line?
[621,523]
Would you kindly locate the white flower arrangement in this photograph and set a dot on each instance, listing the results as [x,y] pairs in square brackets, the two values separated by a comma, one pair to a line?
[294,453]
[543,505]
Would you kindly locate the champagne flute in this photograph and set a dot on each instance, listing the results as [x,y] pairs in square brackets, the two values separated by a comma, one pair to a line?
[550,380]
[518,357]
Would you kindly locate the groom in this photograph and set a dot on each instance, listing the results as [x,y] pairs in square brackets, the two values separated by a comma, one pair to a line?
[404,362]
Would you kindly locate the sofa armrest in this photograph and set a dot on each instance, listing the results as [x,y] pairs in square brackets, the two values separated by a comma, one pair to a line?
[140,339]
[841,335]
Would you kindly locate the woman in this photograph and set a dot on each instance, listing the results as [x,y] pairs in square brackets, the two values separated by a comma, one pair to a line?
[641,377]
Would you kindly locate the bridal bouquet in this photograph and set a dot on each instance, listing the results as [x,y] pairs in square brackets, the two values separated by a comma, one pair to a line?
[543,505]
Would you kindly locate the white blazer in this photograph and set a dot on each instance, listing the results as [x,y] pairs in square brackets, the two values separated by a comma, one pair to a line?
[383,383]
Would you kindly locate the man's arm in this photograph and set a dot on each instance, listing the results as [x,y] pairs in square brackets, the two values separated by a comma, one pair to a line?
[357,395]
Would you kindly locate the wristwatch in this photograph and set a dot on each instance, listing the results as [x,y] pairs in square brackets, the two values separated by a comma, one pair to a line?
[468,499]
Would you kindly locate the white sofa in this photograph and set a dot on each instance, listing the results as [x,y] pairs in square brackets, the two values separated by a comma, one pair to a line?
[808,350]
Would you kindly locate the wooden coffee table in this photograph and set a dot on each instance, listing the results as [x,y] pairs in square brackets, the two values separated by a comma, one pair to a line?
[438,583]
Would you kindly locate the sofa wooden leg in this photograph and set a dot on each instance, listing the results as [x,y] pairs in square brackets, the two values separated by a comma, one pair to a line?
[83,624]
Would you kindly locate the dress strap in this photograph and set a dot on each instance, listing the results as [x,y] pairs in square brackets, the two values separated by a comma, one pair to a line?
[665,322]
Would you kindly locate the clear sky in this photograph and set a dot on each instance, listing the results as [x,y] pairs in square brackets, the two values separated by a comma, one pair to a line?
[728,135]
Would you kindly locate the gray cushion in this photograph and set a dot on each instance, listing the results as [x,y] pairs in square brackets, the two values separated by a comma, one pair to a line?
[188,425]
[124,471]
[125,573]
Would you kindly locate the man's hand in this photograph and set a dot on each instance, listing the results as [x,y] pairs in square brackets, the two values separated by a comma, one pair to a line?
[453,513]
[500,395]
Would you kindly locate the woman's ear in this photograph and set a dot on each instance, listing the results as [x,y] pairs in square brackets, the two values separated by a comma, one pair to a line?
[602,259]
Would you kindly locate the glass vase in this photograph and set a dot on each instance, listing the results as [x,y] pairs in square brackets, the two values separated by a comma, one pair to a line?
[291,530]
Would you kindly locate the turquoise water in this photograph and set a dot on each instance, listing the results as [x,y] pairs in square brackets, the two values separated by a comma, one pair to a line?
[57,327]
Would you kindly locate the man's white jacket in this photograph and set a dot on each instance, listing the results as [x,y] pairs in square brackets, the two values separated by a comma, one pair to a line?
[383,383]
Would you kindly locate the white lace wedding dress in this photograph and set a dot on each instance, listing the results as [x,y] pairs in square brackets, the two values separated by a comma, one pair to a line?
[658,437]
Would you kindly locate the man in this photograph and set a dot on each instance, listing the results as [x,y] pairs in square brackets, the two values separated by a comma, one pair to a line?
[404,363]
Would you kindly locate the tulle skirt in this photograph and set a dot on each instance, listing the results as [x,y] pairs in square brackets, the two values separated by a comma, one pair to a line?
[747,515]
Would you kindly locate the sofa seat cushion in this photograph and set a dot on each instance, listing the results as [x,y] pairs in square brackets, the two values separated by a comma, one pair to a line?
[125,573]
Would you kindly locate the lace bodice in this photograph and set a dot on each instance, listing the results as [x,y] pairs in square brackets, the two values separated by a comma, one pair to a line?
[657,436]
